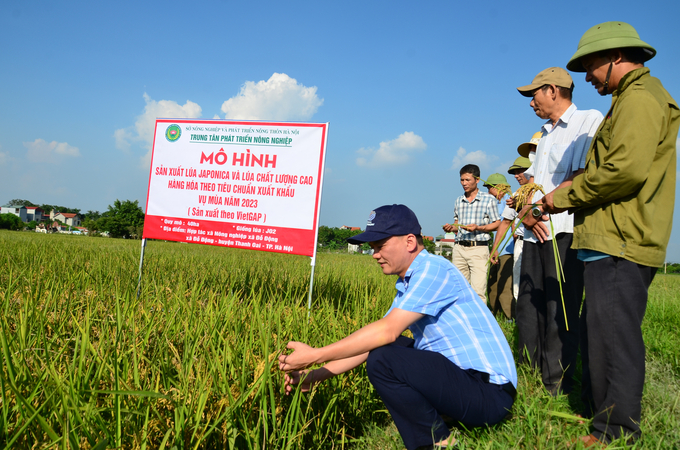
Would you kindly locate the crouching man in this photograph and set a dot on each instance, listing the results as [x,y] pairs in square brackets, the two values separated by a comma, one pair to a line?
[459,363]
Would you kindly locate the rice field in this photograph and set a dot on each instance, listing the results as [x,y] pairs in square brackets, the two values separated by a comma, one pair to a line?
[191,362]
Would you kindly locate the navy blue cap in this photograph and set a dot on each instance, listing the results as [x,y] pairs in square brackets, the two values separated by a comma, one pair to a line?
[388,221]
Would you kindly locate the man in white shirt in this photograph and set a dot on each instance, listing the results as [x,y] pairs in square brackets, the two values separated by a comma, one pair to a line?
[547,313]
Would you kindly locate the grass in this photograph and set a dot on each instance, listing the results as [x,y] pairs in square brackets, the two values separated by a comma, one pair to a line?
[191,362]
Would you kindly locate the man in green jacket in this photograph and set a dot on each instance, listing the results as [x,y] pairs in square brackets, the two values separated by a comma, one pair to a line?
[623,211]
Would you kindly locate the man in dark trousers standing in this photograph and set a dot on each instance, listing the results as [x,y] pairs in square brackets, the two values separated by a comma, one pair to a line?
[623,211]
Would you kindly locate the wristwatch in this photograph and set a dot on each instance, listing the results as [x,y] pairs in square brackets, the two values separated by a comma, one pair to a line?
[536,212]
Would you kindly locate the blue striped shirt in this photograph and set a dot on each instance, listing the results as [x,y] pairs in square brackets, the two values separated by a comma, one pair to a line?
[507,247]
[481,211]
[455,323]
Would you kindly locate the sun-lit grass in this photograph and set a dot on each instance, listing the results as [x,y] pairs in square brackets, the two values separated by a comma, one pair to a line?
[191,362]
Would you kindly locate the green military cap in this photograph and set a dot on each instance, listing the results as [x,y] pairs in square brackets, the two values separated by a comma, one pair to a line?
[520,163]
[608,36]
[495,179]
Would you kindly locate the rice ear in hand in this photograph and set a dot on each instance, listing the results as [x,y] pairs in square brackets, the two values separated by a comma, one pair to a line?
[525,193]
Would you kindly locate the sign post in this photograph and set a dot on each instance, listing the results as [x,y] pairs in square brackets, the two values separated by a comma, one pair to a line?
[240,184]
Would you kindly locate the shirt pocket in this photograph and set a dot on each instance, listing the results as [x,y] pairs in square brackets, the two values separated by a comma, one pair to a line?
[560,158]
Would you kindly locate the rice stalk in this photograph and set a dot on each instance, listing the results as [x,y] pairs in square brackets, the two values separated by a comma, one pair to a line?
[502,188]
[560,272]
[525,193]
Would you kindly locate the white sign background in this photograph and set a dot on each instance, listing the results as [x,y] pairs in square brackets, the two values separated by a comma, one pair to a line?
[237,184]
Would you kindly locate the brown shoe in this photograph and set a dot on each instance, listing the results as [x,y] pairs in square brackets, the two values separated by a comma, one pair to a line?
[589,441]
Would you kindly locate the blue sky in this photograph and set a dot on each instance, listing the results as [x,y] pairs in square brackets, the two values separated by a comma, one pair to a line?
[412,90]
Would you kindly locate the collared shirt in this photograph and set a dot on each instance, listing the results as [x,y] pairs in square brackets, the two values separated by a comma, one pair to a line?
[455,323]
[511,214]
[624,200]
[561,152]
[508,244]
[481,211]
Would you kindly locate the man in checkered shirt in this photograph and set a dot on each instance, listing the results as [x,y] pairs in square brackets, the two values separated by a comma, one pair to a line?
[475,215]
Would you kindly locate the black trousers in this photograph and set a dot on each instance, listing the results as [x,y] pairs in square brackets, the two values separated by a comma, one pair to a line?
[545,339]
[616,300]
[419,386]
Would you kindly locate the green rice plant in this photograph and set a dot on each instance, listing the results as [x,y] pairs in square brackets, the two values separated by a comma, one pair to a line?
[191,362]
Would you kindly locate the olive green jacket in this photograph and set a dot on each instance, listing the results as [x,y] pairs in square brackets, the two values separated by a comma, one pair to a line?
[623,202]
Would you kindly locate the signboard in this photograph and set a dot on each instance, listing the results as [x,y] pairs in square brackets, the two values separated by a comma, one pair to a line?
[253,185]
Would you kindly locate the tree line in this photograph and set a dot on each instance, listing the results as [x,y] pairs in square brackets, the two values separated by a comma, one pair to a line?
[123,219]
[333,238]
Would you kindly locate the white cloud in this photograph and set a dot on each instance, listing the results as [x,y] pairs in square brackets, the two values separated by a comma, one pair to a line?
[279,98]
[478,157]
[502,168]
[391,153]
[4,157]
[143,129]
[123,136]
[41,151]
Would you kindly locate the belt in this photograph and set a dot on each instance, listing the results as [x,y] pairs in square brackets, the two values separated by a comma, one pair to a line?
[472,243]
[521,238]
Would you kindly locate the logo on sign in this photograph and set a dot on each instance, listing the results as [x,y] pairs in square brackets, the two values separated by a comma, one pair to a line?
[173,133]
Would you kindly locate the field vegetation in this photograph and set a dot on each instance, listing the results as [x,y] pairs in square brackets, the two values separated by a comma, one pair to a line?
[191,362]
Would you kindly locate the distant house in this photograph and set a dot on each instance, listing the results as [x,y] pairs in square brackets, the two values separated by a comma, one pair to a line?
[34,213]
[352,248]
[444,246]
[66,218]
[17,210]
[57,227]
[81,230]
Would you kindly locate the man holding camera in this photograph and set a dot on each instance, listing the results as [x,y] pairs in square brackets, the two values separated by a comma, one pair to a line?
[547,312]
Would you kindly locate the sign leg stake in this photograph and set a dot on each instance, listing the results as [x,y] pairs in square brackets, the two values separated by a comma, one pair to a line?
[141,263]
[311,286]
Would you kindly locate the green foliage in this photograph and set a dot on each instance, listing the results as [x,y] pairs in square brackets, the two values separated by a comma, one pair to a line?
[671,268]
[92,215]
[62,209]
[21,202]
[191,363]
[429,245]
[9,221]
[92,225]
[123,220]
[31,225]
[335,238]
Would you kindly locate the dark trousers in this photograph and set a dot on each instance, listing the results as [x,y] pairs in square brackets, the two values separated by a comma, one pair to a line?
[499,287]
[543,338]
[419,386]
[616,300]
